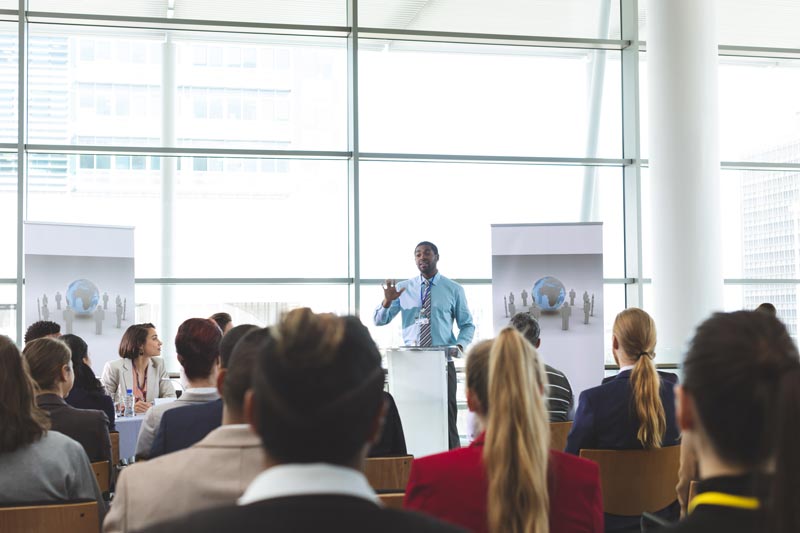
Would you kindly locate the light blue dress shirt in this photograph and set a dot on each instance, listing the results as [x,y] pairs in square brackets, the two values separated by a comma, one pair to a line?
[448,304]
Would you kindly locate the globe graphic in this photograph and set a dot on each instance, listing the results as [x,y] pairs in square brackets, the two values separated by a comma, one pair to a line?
[82,296]
[549,293]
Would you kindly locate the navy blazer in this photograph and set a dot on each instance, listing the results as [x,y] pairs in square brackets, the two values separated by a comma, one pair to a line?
[181,428]
[605,419]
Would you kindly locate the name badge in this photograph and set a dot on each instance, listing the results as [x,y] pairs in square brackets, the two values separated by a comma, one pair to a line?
[425,321]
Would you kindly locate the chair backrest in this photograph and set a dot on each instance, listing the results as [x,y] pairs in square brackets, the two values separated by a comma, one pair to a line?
[102,471]
[114,447]
[558,435]
[392,500]
[388,473]
[63,518]
[635,481]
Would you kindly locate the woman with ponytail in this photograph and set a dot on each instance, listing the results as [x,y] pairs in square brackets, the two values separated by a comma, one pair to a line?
[507,481]
[740,404]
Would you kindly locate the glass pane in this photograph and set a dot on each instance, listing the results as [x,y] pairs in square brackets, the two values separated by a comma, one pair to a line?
[317,12]
[562,18]
[9,75]
[783,296]
[455,204]
[8,216]
[488,100]
[231,219]
[8,311]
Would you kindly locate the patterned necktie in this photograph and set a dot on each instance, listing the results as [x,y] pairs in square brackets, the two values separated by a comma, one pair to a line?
[425,327]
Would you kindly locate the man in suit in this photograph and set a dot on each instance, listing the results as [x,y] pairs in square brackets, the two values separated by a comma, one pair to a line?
[317,405]
[179,429]
[213,472]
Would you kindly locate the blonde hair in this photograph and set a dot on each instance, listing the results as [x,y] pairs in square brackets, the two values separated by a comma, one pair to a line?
[516,450]
[636,333]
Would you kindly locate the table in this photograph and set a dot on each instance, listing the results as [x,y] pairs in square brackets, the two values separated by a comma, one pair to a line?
[128,428]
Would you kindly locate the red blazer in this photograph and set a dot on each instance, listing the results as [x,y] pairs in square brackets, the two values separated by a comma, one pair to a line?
[452,486]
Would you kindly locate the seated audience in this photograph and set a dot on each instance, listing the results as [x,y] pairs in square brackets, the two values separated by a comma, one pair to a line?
[211,473]
[197,346]
[50,364]
[317,405]
[36,465]
[87,391]
[181,429]
[508,480]
[139,368]
[558,392]
[767,308]
[740,405]
[392,440]
[42,328]
[224,321]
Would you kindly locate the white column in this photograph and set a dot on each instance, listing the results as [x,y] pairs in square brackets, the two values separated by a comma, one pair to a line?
[684,169]
[169,170]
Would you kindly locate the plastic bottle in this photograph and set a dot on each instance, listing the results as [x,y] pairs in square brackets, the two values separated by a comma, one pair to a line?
[128,403]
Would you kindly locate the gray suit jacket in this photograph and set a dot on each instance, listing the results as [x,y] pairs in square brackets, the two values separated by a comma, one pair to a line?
[118,377]
[214,472]
[87,426]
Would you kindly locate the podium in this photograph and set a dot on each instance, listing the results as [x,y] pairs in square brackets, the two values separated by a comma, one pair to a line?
[418,382]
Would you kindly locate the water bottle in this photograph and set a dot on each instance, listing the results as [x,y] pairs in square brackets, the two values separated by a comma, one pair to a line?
[128,403]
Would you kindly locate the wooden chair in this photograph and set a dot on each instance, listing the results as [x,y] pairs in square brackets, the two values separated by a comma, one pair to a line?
[64,518]
[558,435]
[388,473]
[635,481]
[392,500]
[102,471]
[114,447]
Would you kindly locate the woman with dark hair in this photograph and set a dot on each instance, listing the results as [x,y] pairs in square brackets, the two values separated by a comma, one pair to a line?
[37,465]
[508,480]
[740,405]
[50,365]
[223,320]
[139,368]
[87,391]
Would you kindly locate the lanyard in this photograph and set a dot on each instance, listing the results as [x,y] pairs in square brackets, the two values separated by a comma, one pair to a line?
[725,500]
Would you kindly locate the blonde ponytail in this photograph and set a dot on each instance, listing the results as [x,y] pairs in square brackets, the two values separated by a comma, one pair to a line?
[516,451]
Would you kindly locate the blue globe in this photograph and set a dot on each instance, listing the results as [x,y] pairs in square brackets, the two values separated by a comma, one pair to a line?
[82,296]
[549,293]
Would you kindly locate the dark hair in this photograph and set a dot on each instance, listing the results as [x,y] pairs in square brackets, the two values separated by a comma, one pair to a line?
[84,376]
[319,374]
[743,372]
[42,328]
[197,345]
[767,308]
[46,357]
[527,325]
[130,347]
[242,363]
[23,423]
[222,319]
[229,341]
[428,243]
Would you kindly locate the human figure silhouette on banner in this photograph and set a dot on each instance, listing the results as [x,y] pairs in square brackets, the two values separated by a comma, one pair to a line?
[99,316]
[45,312]
[119,316]
[105,301]
[535,310]
[565,312]
[592,312]
[586,309]
[505,306]
[69,316]
[125,309]
[58,301]
[572,297]
[524,298]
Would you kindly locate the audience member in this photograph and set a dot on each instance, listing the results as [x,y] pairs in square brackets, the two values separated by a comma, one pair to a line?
[317,406]
[767,308]
[181,429]
[635,409]
[87,391]
[42,328]
[139,369]
[36,465]
[740,405]
[558,391]
[212,472]
[197,346]
[224,321]
[393,439]
[508,480]
[50,364]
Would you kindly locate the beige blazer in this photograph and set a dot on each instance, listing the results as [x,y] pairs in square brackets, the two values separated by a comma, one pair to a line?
[212,473]
[118,377]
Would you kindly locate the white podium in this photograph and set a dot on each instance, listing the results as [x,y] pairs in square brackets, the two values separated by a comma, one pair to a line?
[418,382]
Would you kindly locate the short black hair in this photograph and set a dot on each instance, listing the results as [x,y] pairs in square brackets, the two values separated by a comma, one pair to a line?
[767,308]
[319,374]
[428,243]
[84,376]
[527,325]
[241,364]
[40,329]
[229,341]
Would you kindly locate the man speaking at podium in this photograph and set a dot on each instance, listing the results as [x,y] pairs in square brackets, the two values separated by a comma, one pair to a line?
[429,303]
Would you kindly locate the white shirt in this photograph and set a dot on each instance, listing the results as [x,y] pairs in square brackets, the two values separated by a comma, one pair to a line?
[304,479]
[626,367]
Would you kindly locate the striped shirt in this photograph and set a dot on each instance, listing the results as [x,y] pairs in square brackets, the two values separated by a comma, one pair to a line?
[559,395]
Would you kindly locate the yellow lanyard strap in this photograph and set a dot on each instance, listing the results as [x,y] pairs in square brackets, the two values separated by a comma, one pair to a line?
[724,500]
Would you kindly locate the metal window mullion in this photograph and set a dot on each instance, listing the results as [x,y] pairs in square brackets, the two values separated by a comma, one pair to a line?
[353,179]
[22,174]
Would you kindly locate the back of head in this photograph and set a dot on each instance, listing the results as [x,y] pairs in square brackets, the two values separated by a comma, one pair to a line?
[743,372]
[229,341]
[241,365]
[222,320]
[767,308]
[46,357]
[21,421]
[528,326]
[197,344]
[42,328]
[635,331]
[130,346]
[84,376]
[516,450]
[320,375]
